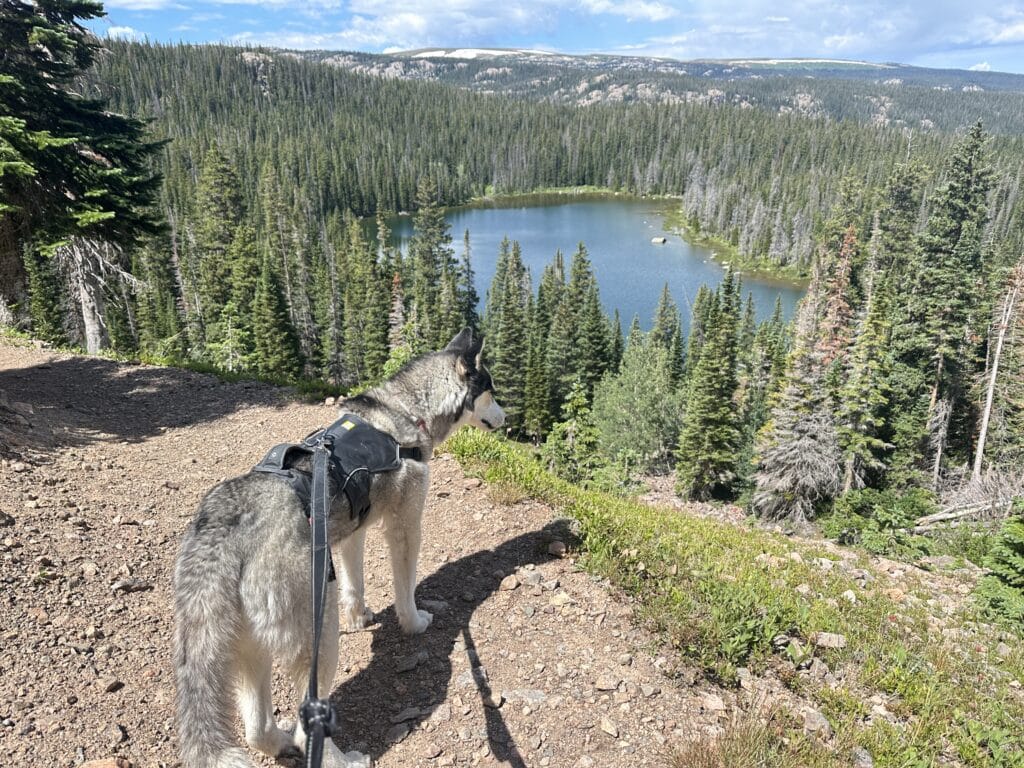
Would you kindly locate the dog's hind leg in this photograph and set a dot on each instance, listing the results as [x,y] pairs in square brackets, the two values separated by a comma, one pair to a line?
[326,668]
[256,705]
[402,533]
[354,613]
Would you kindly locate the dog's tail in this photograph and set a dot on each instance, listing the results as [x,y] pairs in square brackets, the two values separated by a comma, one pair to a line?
[207,625]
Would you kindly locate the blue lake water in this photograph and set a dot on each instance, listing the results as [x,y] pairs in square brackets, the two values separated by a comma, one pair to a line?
[617,232]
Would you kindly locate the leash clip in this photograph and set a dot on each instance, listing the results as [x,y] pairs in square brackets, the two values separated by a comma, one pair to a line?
[318,714]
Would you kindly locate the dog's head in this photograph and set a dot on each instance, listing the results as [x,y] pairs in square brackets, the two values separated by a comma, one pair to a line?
[479,407]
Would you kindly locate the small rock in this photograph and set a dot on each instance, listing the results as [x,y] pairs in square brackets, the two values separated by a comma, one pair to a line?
[117,735]
[556,549]
[430,750]
[409,713]
[817,668]
[442,714]
[649,690]
[609,727]
[509,583]
[5,520]
[850,596]
[560,598]
[896,595]
[109,684]
[816,724]
[434,606]
[410,662]
[494,701]
[530,696]
[531,578]
[713,702]
[329,401]
[396,733]
[472,482]
[20,466]
[32,504]
[802,589]
[1003,650]
[625,659]
[829,640]
[606,683]
[861,758]
[108,762]
[131,585]
[90,569]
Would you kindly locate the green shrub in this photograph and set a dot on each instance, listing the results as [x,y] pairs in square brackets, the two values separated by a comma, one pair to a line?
[1001,593]
[876,519]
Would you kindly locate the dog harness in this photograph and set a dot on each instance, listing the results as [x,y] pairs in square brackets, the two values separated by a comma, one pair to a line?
[350,451]
[358,450]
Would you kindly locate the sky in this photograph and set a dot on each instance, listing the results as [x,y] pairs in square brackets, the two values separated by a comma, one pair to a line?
[962,34]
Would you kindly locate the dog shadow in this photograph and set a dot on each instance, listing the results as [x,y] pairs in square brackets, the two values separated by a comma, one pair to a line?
[366,701]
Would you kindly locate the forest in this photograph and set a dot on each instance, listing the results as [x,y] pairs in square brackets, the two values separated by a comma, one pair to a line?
[224,222]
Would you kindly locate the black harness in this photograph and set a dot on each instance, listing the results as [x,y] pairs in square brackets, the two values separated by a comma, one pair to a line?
[349,453]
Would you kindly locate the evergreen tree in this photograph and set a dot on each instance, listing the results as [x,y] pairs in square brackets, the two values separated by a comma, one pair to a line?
[218,215]
[276,344]
[430,255]
[45,297]
[508,323]
[468,299]
[710,436]
[571,448]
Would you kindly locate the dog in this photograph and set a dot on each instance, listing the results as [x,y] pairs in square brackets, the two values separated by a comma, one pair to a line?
[242,577]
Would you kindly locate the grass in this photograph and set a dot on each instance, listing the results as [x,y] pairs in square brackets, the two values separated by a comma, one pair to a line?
[721,593]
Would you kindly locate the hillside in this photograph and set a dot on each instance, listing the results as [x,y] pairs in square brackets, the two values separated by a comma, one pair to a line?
[897,95]
[531,661]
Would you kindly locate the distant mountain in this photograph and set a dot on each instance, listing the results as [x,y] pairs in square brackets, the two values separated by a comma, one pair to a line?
[876,93]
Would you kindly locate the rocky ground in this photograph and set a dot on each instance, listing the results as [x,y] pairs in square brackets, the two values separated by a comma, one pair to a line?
[529,661]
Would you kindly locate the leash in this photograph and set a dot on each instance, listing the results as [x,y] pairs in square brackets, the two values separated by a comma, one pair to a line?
[317,715]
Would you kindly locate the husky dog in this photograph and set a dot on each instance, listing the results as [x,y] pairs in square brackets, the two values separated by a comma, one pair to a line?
[242,579]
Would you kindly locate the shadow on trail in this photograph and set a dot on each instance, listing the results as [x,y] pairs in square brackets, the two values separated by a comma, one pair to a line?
[81,400]
[366,701]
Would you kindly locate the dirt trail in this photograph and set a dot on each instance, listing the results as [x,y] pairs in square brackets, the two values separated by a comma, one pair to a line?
[104,465]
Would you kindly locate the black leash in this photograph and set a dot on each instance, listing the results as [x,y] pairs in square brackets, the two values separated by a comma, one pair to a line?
[317,715]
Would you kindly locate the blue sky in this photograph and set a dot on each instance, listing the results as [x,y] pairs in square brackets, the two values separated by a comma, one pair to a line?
[980,34]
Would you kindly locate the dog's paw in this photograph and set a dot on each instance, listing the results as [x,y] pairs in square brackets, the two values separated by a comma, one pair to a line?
[355,618]
[274,742]
[416,623]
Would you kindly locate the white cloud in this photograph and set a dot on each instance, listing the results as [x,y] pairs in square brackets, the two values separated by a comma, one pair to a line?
[124,33]
[777,19]
[1012,33]
[982,66]
[142,5]
[635,9]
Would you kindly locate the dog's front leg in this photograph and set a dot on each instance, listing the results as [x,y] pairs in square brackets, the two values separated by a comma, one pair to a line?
[402,533]
[354,613]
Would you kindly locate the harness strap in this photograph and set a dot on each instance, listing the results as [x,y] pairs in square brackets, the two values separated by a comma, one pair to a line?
[318,717]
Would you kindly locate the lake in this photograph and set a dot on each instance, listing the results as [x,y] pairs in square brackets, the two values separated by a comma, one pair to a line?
[617,232]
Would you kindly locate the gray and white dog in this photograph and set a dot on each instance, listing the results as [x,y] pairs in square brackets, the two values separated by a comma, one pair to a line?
[242,579]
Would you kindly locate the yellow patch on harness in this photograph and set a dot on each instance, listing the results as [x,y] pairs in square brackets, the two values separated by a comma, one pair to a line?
[348,424]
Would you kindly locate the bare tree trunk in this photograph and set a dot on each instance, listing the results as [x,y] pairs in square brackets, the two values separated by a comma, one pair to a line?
[1005,318]
[939,427]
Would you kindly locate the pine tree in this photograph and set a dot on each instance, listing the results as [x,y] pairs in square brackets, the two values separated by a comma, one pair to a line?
[468,299]
[710,436]
[74,175]
[798,451]
[430,254]
[864,395]
[571,448]
[508,322]
[276,344]
[218,215]
[45,297]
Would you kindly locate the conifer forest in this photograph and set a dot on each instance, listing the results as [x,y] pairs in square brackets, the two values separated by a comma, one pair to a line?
[228,208]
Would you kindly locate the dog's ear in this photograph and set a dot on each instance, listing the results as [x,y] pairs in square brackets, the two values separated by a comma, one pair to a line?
[479,361]
[463,341]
